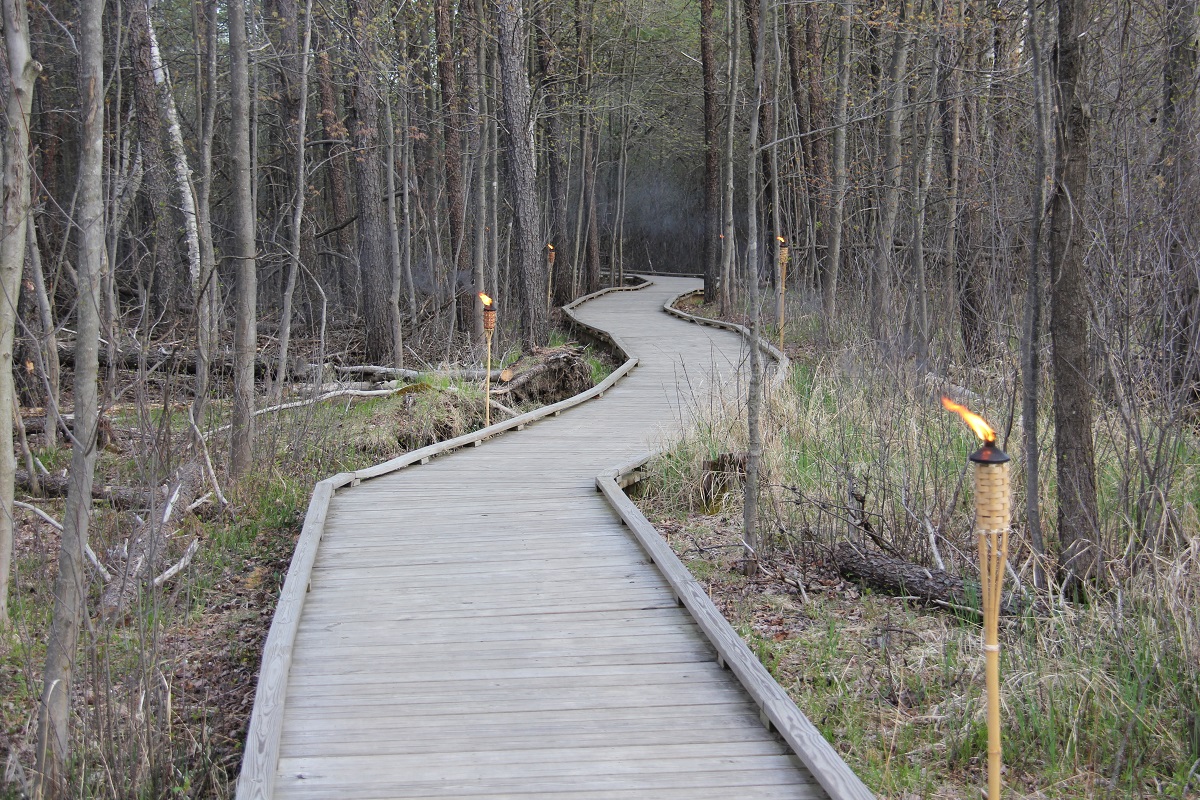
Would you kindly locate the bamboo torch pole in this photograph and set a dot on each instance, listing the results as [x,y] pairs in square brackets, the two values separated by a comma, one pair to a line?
[991,526]
[550,253]
[783,265]
[489,327]
[992,522]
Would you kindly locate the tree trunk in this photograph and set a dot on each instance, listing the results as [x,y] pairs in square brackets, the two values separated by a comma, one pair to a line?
[373,259]
[712,158]
[14,211]
[335,133]
[837,214]
[531,283]
[243,247]
[300,185]
[1078,524]
[476,110]
[884,258]
[208,293]
[1177,165]
[394,239]
[756,22]
[951,111]
[156,272]
[451,136]
[590,235]
[753,539]
[49,341]
[818,118]
[1031,367]
[69,592]
[557,148]
[901,578]
[728,236]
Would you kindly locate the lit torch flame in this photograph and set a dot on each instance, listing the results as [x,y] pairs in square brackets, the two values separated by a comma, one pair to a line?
[550,246]
[781,239]
[487,301]
[975,422]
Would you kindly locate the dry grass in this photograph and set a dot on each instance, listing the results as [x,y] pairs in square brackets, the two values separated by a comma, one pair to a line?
[1099,700]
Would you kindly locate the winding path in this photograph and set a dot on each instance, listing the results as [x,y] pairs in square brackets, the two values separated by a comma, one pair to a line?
[484,626]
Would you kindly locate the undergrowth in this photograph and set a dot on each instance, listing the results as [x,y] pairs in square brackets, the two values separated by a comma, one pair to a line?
[1100,699]
[163,694]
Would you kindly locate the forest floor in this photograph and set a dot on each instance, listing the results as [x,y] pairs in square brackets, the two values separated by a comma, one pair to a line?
[164,690]
[1100,700]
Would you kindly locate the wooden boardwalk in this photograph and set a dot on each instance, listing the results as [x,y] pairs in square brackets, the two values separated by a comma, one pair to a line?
[483,625]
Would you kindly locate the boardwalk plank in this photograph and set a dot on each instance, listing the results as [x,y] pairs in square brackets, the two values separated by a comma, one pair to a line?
[483,625]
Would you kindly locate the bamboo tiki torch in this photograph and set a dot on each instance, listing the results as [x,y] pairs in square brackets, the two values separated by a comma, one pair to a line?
[783,265]
[992,522]
[489,327]
[549,272]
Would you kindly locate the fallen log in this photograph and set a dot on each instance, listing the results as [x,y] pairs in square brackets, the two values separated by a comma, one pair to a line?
[179,359]
[66,423]
[381,373]
[121,497]
[148,545]
[900,578]
[562,374]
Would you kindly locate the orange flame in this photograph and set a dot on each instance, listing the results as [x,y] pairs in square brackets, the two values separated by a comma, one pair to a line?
[975,422]
[781,239]
[550,246]
[487,301]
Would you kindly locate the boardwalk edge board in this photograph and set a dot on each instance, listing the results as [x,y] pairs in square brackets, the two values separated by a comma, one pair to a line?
[261,756]
[821,759]
[774,352]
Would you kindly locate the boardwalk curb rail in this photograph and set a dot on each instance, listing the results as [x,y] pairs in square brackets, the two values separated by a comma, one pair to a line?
[774,352]
[834,775]
[826,766]
[261,755]
[263,744]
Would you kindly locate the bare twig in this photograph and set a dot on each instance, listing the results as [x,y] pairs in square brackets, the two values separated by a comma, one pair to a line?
[208,467]
[87,550]
[180,565]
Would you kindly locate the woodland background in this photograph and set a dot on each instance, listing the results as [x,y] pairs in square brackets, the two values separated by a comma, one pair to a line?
[208,205]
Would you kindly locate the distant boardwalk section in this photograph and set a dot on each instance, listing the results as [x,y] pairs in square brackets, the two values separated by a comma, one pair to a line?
[484,624]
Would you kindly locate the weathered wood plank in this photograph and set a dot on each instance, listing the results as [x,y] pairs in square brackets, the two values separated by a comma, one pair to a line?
[481,625]
[808,743]
[733,772]
[262,739]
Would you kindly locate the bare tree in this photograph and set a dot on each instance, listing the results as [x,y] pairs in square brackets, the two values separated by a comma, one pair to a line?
[451,135]
[1078,524]
[1177,162]
[373,251]
[753,538]
[14,212]
[1030,350]
[301,186]
[884,258]
[712,160]
[522,169]
[244,220]
[833,259]
[69,594]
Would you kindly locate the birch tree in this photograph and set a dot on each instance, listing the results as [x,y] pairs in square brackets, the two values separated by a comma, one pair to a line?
[14,212]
